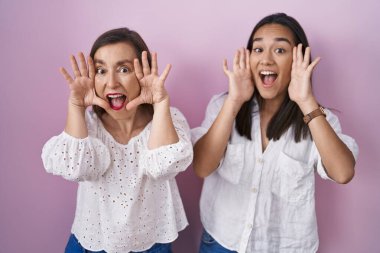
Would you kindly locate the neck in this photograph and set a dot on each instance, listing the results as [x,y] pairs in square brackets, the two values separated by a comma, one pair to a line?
[270,106]
[124,128]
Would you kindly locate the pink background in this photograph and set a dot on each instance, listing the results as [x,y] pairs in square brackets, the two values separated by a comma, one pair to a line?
[37,209]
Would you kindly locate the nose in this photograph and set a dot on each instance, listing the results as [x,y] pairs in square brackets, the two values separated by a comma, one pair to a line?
[267,58]
[112,81]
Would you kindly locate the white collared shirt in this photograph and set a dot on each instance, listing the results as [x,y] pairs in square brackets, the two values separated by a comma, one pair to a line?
[127,198]
[263,202]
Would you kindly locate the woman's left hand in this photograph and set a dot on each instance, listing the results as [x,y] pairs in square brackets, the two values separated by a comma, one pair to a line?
[152,85]
[300,90]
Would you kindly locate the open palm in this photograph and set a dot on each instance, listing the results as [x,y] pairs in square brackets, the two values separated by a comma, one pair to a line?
[82,87]
[152,85]
[300,85]
[241,85]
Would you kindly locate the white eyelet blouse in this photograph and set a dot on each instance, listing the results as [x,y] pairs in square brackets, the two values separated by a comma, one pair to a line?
[127,198]
[263,202]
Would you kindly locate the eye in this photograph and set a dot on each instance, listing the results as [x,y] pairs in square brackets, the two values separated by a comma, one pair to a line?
[279,50]
[257,50]
[124,70]
[100,71]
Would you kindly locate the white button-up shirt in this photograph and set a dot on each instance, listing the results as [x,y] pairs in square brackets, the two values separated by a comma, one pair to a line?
[127,198]
[263,201]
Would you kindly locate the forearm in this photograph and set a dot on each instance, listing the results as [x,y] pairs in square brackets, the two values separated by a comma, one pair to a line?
[336,157]
[75,122]
[209,150]
[163,131]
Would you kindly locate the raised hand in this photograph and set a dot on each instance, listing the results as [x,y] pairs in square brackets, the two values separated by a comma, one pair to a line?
[82,87]
[152,85]
[300,90]
[241,85]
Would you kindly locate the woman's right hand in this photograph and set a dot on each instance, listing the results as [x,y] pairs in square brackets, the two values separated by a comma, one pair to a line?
[241,85]
[82,86]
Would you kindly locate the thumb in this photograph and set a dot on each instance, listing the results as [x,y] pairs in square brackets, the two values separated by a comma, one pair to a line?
[134,103]
[100,102]
[225,67]
[313,64]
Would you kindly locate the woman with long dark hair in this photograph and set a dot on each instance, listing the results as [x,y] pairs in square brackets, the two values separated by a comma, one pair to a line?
[260,143]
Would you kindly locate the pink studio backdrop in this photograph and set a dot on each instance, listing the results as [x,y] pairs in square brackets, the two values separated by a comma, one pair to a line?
[37,209]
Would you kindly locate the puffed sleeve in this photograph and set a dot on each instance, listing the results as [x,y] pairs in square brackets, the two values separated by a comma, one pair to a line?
[349,141]
[212,111]
[76,159]
[167,161]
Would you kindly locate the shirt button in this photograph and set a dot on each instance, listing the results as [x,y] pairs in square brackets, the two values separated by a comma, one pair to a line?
[254,190]
[259,160]
[250,226]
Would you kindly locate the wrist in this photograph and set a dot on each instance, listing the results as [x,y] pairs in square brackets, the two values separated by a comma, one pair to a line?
[308,105]
[233,105]
[234,102]
[77,106]
[313,114]
[164,103]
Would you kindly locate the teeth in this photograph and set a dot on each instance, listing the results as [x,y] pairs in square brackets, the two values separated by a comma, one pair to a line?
[115,96]
[267,73]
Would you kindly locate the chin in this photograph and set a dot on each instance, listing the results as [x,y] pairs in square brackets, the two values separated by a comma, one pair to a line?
[118,114]
[265,93]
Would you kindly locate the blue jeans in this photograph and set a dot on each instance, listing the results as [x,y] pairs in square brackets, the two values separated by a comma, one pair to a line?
[73,246]
[210,245]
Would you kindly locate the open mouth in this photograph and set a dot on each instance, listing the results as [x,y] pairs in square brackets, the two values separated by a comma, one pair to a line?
[268,77]
[116,100]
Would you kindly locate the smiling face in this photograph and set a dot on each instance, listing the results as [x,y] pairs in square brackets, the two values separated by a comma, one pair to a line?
[271,61]
[115,79]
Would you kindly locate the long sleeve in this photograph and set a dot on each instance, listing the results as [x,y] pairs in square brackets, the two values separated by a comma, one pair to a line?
[75,159]
[167,161]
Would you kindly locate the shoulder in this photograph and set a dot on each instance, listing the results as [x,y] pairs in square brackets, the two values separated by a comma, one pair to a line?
[179,120]
[218,99]
[176,114]
[216,103]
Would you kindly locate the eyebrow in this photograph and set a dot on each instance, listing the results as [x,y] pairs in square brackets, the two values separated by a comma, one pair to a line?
[98,61]
[279,39]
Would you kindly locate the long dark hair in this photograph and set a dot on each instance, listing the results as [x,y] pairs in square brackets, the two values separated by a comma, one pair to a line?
[289,114]
[121,35]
